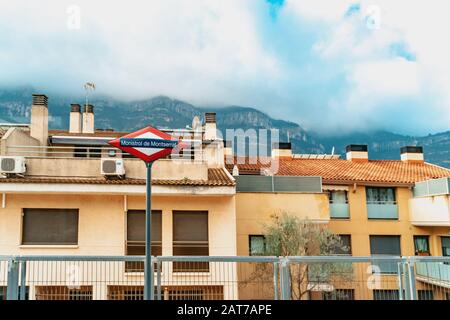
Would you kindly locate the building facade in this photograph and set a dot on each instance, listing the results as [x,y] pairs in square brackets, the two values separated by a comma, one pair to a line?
[69,193]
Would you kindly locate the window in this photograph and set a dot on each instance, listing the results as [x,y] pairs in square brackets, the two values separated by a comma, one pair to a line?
[425,294]
[346,248]
[421,246]
[445,246]
[381,203]
[63,293]
[87,152]
[136,237]
[50,227]
[257,245]
[338,197]
[190,238]
[338,204]
[386,295]
[385,245]
[377,195]
[339,294]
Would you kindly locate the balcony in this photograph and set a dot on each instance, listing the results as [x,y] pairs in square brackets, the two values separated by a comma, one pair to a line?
[339,211]
[382,210]
[283,184]
[434,272]
[431,203]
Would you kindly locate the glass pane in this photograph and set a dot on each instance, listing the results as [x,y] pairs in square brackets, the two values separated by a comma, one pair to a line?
[338,197]
[421,245]
[346,247]
[257,245]
[445,246]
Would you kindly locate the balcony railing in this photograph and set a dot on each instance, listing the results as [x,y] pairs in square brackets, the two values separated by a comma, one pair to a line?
[194,152]
[339,211]
[382,210]
[437,271]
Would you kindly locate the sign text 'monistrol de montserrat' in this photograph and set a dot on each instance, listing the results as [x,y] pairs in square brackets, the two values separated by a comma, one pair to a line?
[148,143]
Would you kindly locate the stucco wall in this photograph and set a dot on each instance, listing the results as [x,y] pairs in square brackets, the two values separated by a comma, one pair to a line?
[90,167]
[360,227]
[433,210]
[102,222]
[253,210]
[17,137]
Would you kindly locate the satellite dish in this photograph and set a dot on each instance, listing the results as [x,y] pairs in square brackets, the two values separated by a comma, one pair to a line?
[196,123]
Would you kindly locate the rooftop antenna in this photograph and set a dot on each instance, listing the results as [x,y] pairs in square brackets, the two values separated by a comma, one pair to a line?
[288,136]
[88,86]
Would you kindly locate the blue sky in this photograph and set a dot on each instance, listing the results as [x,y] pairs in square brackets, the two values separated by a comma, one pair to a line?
[332,66]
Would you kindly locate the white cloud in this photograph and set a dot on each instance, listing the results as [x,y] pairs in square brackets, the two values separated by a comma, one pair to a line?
[137,49]
[310,64]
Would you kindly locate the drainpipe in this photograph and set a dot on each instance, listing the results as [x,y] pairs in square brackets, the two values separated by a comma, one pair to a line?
[3,200]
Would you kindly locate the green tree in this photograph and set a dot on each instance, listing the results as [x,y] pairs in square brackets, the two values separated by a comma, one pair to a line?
[288,235]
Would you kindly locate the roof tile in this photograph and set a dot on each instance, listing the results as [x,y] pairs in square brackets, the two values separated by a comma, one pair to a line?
[338,170]
[216,178]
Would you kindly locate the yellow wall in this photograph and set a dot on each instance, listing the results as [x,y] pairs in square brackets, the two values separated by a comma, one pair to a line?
[253,210]
[102,222]
[360,227]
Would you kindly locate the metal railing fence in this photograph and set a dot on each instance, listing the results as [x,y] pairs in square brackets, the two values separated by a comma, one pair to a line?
[225,278]
[194,150]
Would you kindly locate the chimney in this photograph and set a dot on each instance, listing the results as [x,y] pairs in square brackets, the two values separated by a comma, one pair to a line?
[75,125]
[281,149]
[88,119]
[357,152]
[412,154]
[227,148]
[39,118]
[210,126]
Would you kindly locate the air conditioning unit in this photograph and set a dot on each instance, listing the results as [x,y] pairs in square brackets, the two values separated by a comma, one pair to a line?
[113,167]
[12,165]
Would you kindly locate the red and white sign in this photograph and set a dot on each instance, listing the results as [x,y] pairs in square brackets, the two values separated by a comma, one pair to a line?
[148,144]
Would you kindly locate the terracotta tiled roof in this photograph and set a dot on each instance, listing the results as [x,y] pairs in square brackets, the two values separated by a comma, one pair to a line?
[344,171]
[216,178]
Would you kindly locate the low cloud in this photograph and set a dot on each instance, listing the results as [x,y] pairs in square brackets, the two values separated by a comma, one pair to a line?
[329,65]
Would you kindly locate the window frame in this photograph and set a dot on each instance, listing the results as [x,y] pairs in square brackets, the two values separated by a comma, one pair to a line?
[202,245]
[442,246]
[349,236]
[138,266]
[34,243]
[250,236]
[394,192]
[416,251]
[330,198]
[372,236]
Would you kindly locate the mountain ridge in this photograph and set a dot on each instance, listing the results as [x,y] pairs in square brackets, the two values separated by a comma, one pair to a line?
[165,112]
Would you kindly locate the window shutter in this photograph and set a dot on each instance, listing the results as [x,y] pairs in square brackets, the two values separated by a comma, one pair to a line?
[190,226]
[136,225]
[50,226]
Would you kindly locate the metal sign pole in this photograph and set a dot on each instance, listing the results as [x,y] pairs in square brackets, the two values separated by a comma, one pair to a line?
[148,284]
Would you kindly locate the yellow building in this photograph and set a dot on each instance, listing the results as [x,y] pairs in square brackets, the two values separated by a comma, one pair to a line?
[65,192]
[378,207]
